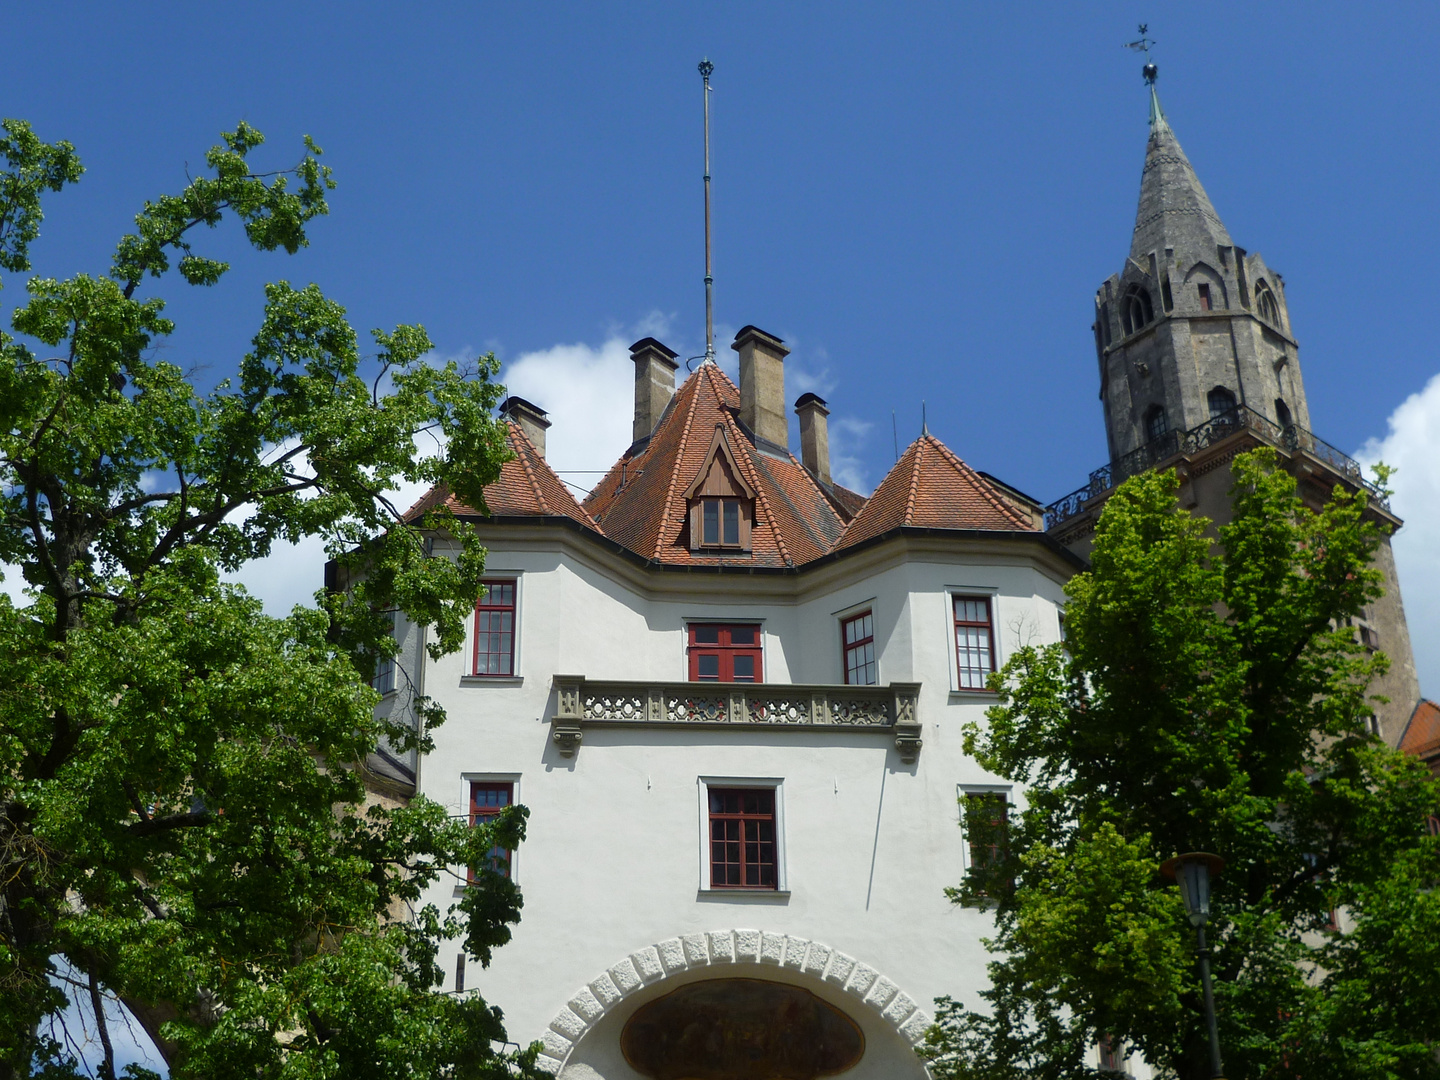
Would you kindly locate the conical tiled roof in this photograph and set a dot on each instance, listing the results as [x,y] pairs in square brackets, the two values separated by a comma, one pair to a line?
[640,503]
[1174,210]
[930,487]
[527,487]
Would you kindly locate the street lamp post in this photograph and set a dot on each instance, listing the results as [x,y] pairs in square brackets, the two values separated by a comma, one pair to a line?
[1192,872]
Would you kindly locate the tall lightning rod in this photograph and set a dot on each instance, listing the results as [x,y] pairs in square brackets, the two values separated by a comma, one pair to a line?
[706,67]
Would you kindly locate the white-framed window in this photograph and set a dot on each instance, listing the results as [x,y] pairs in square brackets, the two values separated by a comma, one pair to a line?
[485,794]
[972,615]
[384,677]
[742,836]
[986,811]
[1111,1055]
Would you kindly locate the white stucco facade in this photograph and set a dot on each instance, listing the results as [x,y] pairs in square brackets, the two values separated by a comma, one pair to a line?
[615,873]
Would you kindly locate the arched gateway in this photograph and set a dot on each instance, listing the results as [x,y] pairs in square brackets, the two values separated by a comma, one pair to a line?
[810,993]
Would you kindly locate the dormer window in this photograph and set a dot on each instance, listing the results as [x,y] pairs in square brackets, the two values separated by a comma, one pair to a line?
[720,522]
[721,502]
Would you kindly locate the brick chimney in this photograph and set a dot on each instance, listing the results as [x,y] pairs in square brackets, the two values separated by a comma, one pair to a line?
[654,383]
[762,384]
[814,435]
[529,416]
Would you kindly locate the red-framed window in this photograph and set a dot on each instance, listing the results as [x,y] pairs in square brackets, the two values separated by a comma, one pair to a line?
[857,637]
[742,838]
[487,799]
[974,641]
[1112,1054]
[725,652]
[495,629]
[987,833]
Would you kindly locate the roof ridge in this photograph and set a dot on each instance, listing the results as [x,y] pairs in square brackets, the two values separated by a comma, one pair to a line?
[760,497]
[674,470]
[917,445]
[525,464]
[980,483]
[795,512]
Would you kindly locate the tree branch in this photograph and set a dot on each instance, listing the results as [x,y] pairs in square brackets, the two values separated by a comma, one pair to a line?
[151,826]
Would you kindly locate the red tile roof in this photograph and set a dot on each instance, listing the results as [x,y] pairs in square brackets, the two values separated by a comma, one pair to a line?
[930,487]
[527,487]
[1422,733]
[640,504]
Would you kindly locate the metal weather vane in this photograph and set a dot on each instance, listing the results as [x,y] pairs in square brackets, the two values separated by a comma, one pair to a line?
[1144,44]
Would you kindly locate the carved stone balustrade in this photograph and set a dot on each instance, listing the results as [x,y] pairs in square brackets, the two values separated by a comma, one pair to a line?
[582,702]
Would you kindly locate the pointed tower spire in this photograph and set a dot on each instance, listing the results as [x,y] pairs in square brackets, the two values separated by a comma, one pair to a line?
[1192,326]
[1174,210]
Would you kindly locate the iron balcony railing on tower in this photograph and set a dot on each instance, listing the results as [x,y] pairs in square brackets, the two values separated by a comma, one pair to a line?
[1291,439]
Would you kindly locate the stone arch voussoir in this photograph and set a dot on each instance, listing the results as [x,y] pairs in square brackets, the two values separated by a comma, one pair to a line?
[717,949]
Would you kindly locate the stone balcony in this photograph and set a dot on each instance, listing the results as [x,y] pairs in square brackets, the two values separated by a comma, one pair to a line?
[891,710]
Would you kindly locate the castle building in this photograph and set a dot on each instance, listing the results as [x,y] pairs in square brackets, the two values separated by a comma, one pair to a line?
[732,692]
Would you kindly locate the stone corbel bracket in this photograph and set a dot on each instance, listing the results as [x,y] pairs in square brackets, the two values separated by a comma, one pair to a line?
[565,730]
[907,721]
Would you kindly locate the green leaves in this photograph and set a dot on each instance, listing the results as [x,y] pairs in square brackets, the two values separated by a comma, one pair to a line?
[1211,696]
[186,803]
[274,216]
[31,167]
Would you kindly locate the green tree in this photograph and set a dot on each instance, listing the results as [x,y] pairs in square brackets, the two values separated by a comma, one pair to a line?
[183,813]
[1210,696]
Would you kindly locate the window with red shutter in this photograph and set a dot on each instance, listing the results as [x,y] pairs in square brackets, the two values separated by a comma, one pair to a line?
[495,629]
[725,652]
[487,799]
[742,838]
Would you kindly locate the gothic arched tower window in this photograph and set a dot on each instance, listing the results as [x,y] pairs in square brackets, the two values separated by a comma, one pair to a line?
[1282,414]
[1266,305]
[1221,401]
[1136,309]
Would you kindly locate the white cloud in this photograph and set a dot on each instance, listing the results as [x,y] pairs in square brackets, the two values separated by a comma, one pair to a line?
[589,392]
[292,573]
[1412,447]
[809,375]
[847,437]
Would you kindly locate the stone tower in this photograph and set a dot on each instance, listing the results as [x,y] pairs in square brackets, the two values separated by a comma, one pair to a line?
[1193,325]
[1198,363]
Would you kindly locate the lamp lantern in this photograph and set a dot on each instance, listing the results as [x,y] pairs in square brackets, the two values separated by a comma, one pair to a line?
[1192,872]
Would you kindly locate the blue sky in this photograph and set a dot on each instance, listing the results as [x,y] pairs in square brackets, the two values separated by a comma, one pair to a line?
[921,199]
